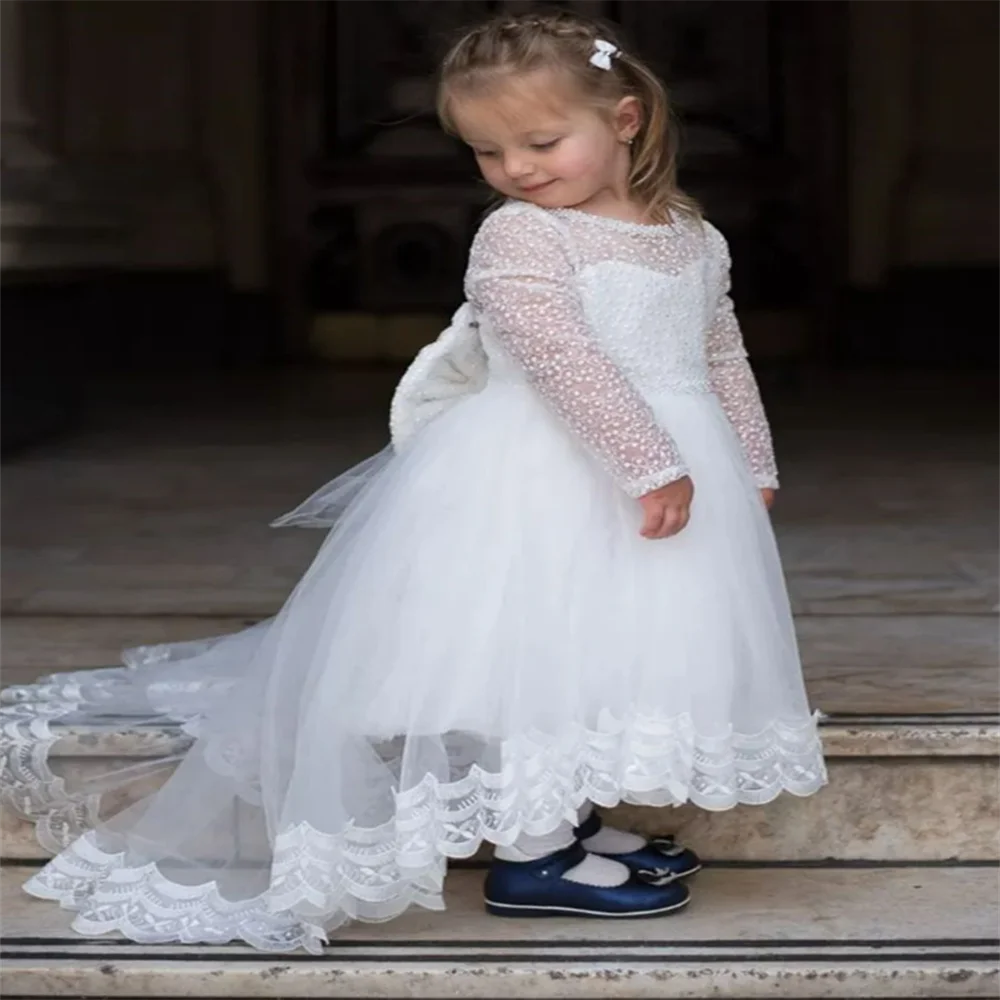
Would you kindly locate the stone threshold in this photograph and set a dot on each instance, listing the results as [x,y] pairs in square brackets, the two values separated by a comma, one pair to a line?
[950,735]
[855,666]
[833,933]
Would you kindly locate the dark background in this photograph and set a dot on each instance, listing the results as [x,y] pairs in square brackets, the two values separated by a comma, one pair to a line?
[215,186]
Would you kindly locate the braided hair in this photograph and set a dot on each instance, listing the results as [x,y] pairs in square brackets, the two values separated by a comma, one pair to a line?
[486,57]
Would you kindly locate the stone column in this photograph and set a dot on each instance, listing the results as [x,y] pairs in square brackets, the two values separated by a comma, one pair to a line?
[19,150]
[881,82]
[47,220]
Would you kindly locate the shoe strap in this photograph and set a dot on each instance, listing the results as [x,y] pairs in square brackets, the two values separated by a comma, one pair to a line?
[589,826]
[667,846]
[557,864]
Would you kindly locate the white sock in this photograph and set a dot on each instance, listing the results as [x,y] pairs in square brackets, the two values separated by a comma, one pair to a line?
[608,840]
[529,848]
[593,870]
[598,871]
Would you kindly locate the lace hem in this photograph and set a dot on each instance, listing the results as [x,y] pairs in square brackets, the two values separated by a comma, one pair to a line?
[28,785]
[145,906]
[319,880]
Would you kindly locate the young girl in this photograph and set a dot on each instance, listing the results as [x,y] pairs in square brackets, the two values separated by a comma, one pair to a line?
[558,587]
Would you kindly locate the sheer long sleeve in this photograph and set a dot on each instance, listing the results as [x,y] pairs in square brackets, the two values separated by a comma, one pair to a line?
[521,279]
[733,381]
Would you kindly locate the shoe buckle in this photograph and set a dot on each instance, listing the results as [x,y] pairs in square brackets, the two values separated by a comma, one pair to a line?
[656,876]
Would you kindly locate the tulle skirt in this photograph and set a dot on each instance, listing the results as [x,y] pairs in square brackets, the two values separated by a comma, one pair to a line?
[483,643]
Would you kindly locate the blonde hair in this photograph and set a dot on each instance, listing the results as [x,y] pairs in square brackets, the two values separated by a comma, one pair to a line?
[512,45]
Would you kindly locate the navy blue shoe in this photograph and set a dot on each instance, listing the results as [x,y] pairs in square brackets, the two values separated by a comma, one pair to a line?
[537,889]
[661,854]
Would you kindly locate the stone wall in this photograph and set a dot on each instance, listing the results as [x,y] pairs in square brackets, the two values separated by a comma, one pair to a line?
[162,105]
[923,143]
[158,108]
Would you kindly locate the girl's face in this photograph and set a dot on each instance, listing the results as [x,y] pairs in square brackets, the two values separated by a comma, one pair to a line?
[556,153]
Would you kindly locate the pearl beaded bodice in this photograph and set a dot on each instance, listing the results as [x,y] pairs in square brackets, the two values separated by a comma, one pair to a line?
[601,316]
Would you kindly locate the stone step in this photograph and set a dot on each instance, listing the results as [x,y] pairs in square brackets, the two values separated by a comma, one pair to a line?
[42,225]
[913,738]
[69,221]
[828,931]
[883,664]
[916,788]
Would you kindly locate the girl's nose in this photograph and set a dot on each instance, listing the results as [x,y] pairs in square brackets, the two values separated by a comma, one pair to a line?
[517,167]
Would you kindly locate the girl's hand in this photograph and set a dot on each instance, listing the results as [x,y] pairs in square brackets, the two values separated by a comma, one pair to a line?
[768,495]
[668,509]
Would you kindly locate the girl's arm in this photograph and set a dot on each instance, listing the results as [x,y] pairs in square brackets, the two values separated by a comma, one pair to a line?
[521,279]
[733,382]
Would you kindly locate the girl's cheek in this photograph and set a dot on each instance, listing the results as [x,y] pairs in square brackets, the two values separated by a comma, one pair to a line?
[573,165]
[491,173]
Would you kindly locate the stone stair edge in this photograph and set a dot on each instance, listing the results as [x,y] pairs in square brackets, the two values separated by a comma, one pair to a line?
[864,940]
[737,981]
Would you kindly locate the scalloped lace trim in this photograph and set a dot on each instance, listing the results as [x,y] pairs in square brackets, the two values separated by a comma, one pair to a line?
[140,902]
[28,785]
[319,880]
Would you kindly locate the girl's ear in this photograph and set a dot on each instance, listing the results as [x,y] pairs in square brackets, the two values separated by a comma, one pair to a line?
[627,118]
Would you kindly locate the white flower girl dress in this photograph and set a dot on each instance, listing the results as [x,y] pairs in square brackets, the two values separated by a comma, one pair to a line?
[484,642]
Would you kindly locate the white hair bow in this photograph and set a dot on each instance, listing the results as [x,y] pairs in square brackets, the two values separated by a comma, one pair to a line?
[602,56]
